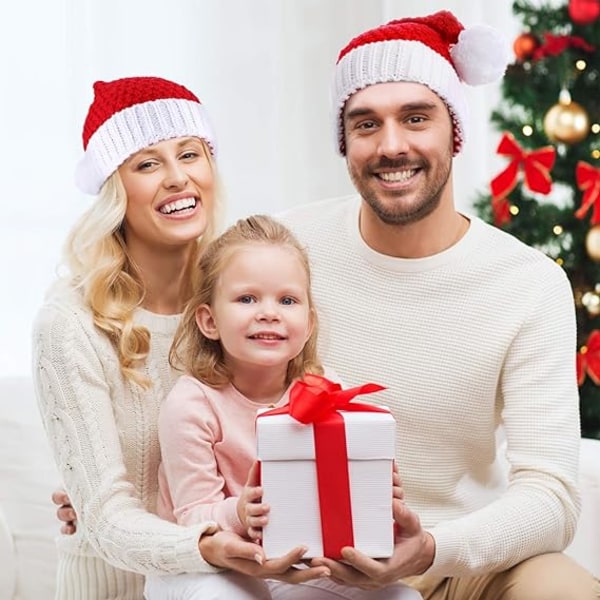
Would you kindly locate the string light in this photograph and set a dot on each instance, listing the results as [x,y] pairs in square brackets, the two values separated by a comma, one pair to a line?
[527,130]
[557,229]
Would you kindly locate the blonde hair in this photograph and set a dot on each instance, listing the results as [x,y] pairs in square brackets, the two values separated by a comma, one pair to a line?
[202,357]
[99,264]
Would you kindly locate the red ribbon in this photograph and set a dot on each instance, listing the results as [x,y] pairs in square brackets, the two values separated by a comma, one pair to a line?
[317,400]
[588,181]
[536,166]
[588,359]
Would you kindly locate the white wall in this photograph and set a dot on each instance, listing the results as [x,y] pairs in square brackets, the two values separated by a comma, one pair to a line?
[262,67]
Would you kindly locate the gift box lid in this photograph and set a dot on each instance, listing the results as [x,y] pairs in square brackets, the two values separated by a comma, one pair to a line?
[369,436]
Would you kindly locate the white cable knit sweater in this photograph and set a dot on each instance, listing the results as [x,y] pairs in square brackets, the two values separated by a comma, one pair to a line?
[478,335]
[103,431]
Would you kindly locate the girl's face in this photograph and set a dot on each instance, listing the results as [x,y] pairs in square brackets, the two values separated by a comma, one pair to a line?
[170,190]
[260,310]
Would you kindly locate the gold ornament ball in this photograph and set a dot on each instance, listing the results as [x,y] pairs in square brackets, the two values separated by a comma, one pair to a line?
[568,123]
[592,243]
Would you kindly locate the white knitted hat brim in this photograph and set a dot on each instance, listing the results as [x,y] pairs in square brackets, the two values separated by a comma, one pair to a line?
[134,128]
[399,60]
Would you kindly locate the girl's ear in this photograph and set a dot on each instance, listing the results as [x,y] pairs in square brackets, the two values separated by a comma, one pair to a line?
[206,322]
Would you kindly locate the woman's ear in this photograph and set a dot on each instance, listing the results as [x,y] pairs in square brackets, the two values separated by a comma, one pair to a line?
[206,322]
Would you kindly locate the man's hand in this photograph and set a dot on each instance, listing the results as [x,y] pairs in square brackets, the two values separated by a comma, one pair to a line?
[414,552]
[227,550]
[65,512]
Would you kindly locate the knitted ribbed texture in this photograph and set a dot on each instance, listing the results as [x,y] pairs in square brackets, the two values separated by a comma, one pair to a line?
[114,96]
[481,333]
[130,114]
[103,432]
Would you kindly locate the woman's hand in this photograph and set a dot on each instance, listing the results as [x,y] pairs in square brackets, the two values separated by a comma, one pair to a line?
[65,512]
[228,550]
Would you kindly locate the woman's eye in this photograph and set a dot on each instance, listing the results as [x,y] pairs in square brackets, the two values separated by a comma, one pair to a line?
[145,165]
[189,155]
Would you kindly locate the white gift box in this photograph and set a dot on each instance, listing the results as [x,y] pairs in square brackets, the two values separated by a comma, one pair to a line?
[286,450]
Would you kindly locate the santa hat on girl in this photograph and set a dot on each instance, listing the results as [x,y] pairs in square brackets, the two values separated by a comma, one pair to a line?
[435,50]
[130,114]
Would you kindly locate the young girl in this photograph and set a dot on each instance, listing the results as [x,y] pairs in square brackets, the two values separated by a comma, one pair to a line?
[248,332]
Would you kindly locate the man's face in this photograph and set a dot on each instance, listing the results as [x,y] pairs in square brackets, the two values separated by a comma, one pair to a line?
[399,144]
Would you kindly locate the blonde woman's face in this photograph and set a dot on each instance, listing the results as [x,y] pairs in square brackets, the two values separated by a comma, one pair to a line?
[170,189]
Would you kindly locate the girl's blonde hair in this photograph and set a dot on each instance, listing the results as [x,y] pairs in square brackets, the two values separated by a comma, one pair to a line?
[202,357]
[96,255]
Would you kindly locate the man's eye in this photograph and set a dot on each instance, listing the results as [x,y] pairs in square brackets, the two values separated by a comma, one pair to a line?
[366,125]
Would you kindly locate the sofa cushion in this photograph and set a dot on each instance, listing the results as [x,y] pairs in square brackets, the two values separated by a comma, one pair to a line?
[28,524]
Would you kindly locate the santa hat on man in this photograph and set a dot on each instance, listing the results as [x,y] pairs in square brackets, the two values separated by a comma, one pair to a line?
[130,114]
[435,50]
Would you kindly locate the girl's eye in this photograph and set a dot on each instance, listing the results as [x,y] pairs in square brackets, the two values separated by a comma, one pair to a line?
[246,299]
[288,301]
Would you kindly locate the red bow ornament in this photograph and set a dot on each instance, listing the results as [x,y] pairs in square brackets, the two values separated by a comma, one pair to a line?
[316,400]
[536,167]
[588,359]
[588,181]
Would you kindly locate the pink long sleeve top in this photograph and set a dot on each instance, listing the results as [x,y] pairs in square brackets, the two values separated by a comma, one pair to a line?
[207,439]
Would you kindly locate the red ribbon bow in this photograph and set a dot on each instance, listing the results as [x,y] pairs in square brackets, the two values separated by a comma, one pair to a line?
[536,166]
[317,400]
[588,181]
[588,359]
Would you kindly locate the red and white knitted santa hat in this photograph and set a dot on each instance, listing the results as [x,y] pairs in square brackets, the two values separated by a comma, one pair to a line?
[435,50]
[130,114]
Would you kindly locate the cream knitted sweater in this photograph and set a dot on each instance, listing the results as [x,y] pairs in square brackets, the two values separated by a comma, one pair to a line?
[477,337]
[103,431]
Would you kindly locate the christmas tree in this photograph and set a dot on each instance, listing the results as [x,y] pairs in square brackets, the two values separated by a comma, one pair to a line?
[548,194]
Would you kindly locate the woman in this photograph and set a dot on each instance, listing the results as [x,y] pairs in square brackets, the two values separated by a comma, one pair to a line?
[102,338]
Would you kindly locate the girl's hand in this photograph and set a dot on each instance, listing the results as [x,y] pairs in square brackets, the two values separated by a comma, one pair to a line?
[252,513]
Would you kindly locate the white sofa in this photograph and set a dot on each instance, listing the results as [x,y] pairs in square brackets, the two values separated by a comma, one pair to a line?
[27,519]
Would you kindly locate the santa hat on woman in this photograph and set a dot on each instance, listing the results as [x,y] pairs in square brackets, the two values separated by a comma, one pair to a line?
[130,114]
[435,50]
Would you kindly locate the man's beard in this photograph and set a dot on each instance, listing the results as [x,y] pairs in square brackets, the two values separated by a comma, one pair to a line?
[395,213]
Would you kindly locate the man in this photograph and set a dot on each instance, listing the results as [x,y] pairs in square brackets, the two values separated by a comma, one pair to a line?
[471,331]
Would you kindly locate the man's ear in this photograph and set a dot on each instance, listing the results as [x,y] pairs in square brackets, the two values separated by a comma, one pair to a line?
[206,322]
